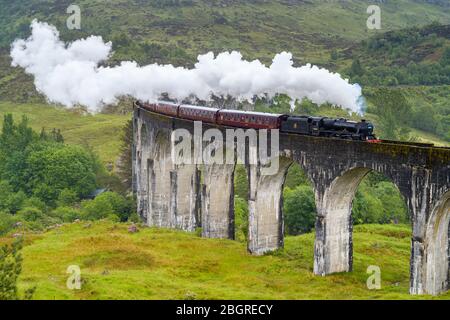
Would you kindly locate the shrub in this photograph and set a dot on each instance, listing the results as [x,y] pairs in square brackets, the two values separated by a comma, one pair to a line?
[96,209]
[113,218]
[7,222]
[107,204]
[10,201]
[67,197]
[135,218]
[36,203]
[66,214]
[119,204]
[35,219]
[30,214]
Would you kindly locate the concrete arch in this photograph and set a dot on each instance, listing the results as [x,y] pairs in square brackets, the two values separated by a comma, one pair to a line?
[333,244]
[266,224]
[334,225]
[436,264]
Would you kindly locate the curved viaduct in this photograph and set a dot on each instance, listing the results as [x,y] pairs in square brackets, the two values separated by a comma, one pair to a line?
[187,196]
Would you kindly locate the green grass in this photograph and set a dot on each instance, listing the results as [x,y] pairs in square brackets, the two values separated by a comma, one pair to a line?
[168,264]
[426,137]
[259,29]
[101,132]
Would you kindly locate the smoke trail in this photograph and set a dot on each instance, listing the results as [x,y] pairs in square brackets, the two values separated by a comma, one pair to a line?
[70,74]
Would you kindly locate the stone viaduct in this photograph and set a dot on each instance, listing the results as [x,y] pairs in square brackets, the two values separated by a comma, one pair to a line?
[188,196]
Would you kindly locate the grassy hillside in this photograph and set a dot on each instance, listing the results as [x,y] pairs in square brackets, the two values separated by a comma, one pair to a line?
[258,27]
[331,34]
[165,264]
[101,132]
[177,31]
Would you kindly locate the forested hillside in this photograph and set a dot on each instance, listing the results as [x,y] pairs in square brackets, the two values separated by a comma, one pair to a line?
[258,28]
[410,54]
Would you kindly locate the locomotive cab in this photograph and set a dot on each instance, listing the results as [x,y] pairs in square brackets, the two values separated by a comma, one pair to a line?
[301,124]
[365,129]
[296,124]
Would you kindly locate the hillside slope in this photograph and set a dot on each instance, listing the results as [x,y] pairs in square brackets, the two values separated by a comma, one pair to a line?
[177,31]
[165,264]
[257,26]
[101,132]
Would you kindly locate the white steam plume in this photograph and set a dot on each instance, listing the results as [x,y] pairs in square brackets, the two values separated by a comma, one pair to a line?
[70,74]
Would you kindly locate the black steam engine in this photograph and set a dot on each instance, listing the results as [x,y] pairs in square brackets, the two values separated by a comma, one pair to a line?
[313,126]
[326,127]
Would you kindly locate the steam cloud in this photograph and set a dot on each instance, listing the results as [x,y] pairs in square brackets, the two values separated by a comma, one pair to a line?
[70,74]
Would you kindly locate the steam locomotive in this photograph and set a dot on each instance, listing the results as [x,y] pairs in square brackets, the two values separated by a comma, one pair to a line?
[307,125]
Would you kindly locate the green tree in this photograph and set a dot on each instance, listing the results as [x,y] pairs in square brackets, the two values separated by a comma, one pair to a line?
[53,167]
[67,197]
[10,269]
[295,177]
[356,69]
[7,222]
[299,210]
[366,208]
[394,208]
[241,182]
[241,218]
[393,111]
[125,161]
[10,201]
[334,55]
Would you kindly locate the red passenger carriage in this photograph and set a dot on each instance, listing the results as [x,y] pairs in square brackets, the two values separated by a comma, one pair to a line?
[255,120]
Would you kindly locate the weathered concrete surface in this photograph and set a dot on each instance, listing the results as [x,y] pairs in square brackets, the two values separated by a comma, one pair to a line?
[154,170]
[422,176]
[333,245]
[218,201]
[266,226]
[335,168]
[185,190]
[429,209]
[436,251]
